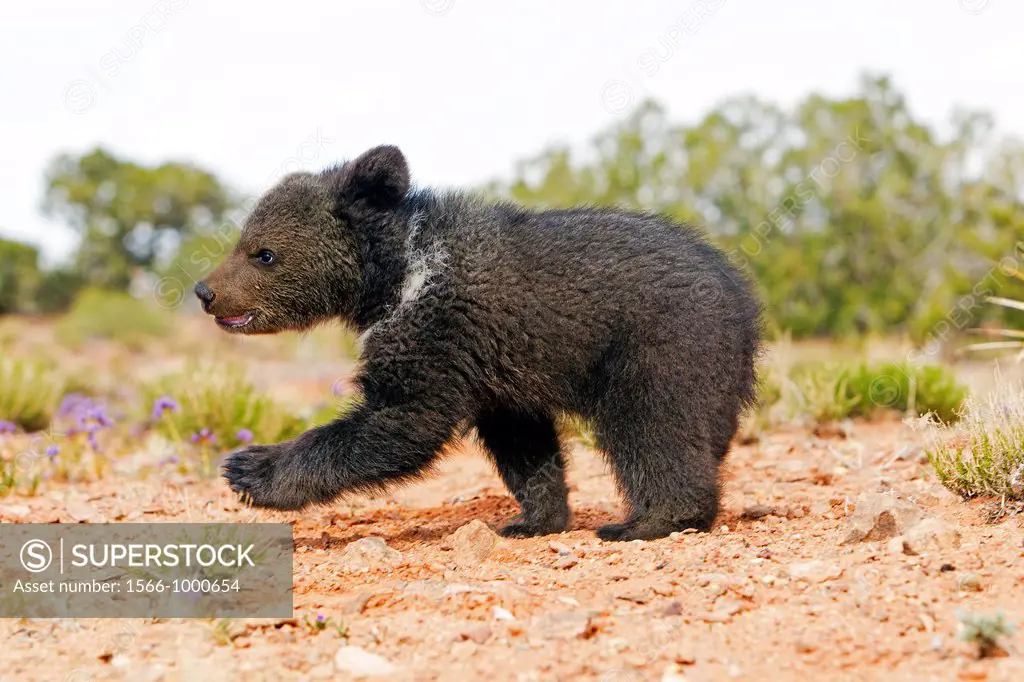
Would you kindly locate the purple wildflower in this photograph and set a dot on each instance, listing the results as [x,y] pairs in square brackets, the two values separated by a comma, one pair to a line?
[164,404]
[53,451]
[99,417]
[75,405]
[321,618]
[204,436]
[7,427]
[244,436]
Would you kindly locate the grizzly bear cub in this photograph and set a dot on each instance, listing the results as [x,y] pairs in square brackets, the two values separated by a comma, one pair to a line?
[493,316]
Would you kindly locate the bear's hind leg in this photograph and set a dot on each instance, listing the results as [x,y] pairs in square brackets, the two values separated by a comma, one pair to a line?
[528,456]
[664,464]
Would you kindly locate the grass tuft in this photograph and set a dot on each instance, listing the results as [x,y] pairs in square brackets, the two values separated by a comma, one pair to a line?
[28,393]
[101,314]
[216,406]
[985,631]
[983,454]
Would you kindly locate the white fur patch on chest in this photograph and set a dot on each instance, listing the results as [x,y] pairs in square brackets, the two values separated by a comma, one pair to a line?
[423,265]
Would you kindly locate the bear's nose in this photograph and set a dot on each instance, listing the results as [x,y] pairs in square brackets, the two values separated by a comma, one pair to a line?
[205,294]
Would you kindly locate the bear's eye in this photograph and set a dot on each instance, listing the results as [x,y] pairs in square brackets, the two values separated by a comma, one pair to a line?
[266,257]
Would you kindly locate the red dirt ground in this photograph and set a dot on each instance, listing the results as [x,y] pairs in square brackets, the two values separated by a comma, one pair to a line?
[776,597]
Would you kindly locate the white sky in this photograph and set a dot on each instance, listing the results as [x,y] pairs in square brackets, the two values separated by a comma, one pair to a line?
[466,87]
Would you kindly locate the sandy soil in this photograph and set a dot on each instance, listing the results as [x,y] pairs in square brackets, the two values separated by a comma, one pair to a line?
[771,593]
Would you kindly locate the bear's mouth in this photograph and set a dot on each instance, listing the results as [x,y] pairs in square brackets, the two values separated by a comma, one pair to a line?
[236,322]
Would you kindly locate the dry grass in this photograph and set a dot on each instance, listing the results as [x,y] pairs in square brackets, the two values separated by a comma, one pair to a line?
[983,455]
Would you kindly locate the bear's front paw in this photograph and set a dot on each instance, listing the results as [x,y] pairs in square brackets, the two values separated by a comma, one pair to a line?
[256,474]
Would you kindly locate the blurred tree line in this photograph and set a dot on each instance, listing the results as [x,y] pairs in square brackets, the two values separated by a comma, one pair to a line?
[132,221]
[852,215]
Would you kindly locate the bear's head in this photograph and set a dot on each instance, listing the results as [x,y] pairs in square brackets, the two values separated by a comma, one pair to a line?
[299,259]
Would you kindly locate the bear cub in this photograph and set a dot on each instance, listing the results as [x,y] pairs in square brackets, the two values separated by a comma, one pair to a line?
[493,316]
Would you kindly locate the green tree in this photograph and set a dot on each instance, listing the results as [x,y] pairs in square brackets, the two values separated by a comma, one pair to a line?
[853,215]
[131,216]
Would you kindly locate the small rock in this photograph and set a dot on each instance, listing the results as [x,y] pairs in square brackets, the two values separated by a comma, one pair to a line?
[757,511]
[827,430]
[713,617]
[269,623]
[816,571]
[81,512]
[463,649]
[321,672]
[730,607]
[16,511]
[895,545]
[357,605]
[880,516]
[969,582]
[931,535]
[805,647]
[502,614]
[560,548]
[362,663]
[973,672]
[369,554]
[705,579]
[674,608]
[564,626]
[472,542]
[566,562]
[685,654]
[673,673]
[478,633]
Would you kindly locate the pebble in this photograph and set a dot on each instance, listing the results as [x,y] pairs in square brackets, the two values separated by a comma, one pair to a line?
[369,553]
[560,548]
[815,571]
[471,543]
[478,633]
[361,663]
[357,605]
[504,614]
[931,535]
[969,582]
[757,511]
[673,673]
[880,516]
[81,512]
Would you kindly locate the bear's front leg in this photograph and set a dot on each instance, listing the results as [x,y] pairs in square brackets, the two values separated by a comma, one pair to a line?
[378,444]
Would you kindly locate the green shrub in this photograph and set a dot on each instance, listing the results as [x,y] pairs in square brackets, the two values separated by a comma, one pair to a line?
[28,393]
[824,392]
[221,401]
[986,631]
[818,391]
[904,388]
[984,453]
[57,291]
[19,276]
[103,314]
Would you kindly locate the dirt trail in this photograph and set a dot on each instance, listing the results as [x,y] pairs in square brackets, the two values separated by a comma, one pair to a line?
[771,593]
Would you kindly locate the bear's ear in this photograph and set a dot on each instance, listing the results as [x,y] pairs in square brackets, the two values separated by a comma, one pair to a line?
[379,179]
